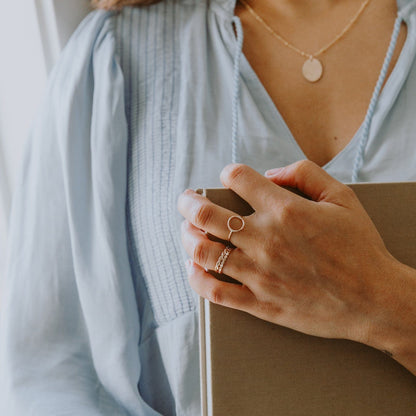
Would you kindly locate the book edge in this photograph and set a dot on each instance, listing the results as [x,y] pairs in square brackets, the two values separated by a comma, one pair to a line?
[203,357]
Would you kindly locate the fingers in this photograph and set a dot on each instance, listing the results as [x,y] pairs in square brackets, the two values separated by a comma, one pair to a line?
[311,180]
[257,190]
[206,253]
[222,293]
[206,215]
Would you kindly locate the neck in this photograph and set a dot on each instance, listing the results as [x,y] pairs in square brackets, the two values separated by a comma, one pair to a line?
[301,8]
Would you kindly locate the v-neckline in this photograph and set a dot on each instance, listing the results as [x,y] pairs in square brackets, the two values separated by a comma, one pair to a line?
[271,111]
[269,108]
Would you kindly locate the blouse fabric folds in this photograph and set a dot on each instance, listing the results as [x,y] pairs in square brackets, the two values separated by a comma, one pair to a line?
[97,316]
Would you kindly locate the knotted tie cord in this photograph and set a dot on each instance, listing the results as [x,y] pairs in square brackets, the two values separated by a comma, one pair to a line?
[359,158]
[236,87]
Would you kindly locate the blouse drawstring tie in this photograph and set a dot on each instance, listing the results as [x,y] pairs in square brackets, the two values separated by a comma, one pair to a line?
[359,158]
[236,87]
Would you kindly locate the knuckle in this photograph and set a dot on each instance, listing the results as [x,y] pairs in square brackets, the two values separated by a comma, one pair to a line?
[215,295]
[203,215]
[234,172]
[262,278]
[200,254]
[303,166]
[348,192]
[268,310]
[343,193]
[288,212]
[271,252]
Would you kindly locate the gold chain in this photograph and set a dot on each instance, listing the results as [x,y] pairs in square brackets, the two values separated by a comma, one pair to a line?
[294,48]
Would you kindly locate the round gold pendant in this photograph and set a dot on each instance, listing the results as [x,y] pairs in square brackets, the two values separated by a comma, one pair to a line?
[312,70]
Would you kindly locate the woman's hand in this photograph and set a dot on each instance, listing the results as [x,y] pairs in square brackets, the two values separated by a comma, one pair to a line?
[318,266]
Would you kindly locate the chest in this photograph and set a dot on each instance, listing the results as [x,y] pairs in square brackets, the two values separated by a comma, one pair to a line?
[323,116]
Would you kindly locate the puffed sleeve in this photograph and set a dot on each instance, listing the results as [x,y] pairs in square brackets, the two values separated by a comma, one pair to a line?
[69,321]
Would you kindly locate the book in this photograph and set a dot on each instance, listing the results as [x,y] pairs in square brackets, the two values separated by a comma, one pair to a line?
[254,367]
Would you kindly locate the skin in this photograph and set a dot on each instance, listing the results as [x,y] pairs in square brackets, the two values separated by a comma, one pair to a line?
[318,266]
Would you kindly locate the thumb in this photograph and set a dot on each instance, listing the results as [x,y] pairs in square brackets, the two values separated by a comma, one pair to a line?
[310,179]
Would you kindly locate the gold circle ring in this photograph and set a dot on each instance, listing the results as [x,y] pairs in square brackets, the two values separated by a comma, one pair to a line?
[234,230]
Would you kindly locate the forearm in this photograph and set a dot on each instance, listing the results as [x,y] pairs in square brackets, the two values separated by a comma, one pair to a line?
[394,324]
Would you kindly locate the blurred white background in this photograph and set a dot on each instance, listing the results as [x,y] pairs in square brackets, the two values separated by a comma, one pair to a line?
[32,34]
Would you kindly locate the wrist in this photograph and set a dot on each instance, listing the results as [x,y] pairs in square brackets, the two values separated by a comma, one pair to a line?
[393,321]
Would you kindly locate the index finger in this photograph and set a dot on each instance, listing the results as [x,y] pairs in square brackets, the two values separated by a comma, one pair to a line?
[252,186]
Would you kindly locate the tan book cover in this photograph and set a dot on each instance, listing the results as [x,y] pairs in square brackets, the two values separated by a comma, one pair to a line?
[253,367]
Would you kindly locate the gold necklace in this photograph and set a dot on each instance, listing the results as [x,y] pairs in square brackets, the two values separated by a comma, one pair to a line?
[312,69]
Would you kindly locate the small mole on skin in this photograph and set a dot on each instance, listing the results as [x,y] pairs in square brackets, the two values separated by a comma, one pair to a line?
[335,138]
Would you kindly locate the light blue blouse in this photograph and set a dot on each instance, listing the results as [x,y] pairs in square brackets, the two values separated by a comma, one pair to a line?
[97,315]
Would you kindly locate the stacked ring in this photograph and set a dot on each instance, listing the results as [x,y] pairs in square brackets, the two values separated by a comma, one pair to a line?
[222,259]
[229,247]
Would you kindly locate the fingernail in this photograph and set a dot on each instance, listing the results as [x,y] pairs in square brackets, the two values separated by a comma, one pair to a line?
[273,172]
[188,265]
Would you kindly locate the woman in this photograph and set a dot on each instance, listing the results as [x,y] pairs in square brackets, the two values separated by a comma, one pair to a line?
[98,317]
